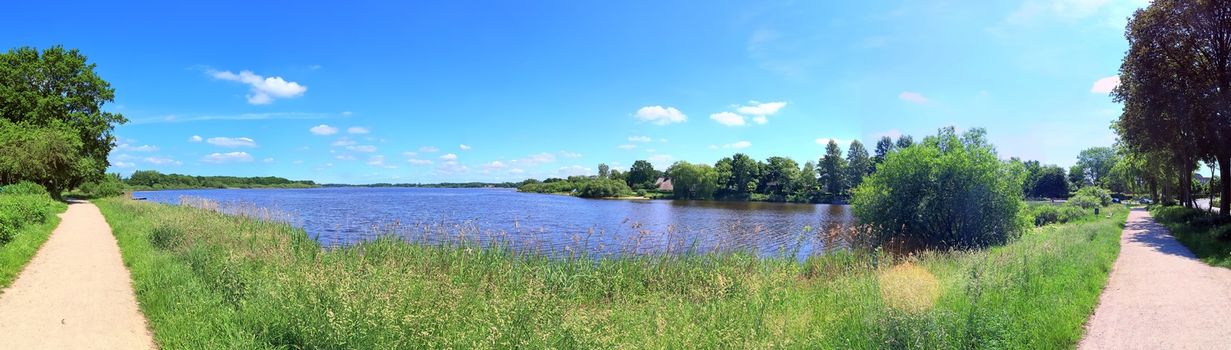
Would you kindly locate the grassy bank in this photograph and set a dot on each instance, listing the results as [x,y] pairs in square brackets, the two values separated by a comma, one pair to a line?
[25,223]
[1205,234]
[207,280]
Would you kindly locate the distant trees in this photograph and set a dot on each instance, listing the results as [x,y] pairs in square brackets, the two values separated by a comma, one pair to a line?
[693,181]
[641,175]
[603,188]
[858,164]
[1096,164]
[604,171]
[54,128]
[948,191]
[151,179]
[833,171]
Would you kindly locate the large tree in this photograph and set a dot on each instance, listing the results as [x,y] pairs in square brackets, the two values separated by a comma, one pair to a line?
[832,171]
[57,90]
[641,175]
[693,181]
[1097,162]
[883,147]
[781,177]
[858,164]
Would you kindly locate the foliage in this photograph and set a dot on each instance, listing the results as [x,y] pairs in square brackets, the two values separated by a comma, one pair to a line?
[642,175]
[604,188]
[1206,235]
[55,132]
[1096,164]
[1048,182]
[780,176]
[152,179]
[883,148]
[109,185]
[216,281]
[693,181]
[945,192]
[24,187]
[858,164]
[26,220]
[832,171]
[1045,214]
[1090,197]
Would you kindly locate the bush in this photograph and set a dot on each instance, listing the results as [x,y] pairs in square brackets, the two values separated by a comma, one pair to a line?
[604,188]
[109,186]
[24,187]
[17,211]
[1091,197]
[1054,214]
[947,192]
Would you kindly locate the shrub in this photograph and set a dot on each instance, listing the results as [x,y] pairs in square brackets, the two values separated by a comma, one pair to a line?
[24,187]
[945,192]
[17,211]
[1091,197]
[1054,214]
[604,188]
[109,186]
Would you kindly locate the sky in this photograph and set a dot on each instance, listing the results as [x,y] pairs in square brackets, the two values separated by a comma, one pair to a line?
[365,92]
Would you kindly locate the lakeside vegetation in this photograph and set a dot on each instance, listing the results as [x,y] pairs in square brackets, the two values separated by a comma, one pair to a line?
[209,280]
[1207,235]
[154,180]
[27,217]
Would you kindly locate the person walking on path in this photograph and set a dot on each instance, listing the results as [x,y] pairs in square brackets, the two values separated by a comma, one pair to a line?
[1159,296]
[75,293]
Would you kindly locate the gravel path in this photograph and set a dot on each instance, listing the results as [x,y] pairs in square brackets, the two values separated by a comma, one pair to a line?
[75,293]
[1160,296]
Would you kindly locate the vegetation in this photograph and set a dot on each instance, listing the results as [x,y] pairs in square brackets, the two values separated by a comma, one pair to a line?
[1091,197]
[52,128]
[208,280]
[1175,81]
[27,217]
[154,180]
[949,191]
[1208,236]
[435,185]
[604,188]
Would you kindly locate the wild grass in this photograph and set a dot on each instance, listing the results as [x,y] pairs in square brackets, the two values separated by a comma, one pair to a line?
[26,221]
[210,280]
[1207,235]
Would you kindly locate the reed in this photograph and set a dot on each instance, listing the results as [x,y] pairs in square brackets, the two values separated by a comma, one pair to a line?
[206,279]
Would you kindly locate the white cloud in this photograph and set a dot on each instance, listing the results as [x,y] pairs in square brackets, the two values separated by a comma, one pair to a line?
[495,164]
[323,130]
[267,160]
[346,156]
[639,139]
[343,142]
[362,148]
[449,157]
[567,154]
[627,146]
[728,118]
[755,108]
[463,147]
[659,115]
[913,97]
[162,161]
[379,161]
[231,141]
[358,130]
[263,90]
[1105,85]
[195,138]
[428,149]
[132,148]
[413,161]
[220,158]
[738,145]
[575,170]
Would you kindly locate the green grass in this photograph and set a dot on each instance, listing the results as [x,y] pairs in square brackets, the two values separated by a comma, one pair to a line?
[28,238]
[1205,234]
[207,280]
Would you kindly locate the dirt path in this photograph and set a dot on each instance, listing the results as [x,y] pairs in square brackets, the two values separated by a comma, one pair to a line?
[1160,296]
[75,293]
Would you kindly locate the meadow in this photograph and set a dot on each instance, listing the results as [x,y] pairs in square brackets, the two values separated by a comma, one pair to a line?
[210,280]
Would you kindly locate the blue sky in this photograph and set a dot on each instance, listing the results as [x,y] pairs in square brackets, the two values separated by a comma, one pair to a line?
[362,92]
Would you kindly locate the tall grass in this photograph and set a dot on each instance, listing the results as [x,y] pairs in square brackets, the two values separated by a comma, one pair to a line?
[1207,235]
[210,280]
[26,221]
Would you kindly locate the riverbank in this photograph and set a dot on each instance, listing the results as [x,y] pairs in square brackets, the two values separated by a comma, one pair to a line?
[207,280]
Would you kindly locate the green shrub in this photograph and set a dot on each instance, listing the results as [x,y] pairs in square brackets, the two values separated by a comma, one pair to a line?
[947,192]
[1045,214]
[24,187]
[17,211]
[109,186]
[1091,197]
[604,188]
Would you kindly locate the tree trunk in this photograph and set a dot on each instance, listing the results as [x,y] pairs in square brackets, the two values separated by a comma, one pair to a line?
[1224,171]
[1210,187]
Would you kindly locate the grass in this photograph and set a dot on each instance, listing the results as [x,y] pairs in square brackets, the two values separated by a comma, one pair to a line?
[208,280]
[15,253]
[1206,235]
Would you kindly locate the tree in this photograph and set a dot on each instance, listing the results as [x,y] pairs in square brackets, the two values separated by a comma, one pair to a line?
[49,156]
[603,188]
[1096,163]
[905,141]
[693,181]
[604,171]
[1050,182]
[642,175]
[58,90]
[946,192]
[744,171]
[1077,177]
[808,188]
[883,148]
[781,177]
[833,171]
[858,163]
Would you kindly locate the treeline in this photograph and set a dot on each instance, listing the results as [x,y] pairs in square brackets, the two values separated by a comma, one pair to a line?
[435,185]
[1175,84]
[829,179]
[151,179]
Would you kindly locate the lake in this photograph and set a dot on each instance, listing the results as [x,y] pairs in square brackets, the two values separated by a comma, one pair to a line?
[551,224]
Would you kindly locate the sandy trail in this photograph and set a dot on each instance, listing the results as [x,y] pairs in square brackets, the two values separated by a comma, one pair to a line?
[1159,296]
[75,293]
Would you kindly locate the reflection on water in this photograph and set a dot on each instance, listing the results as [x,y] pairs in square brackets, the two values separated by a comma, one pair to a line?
[545,223]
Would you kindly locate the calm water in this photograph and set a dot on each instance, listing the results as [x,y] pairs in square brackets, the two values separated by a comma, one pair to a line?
[548,223]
